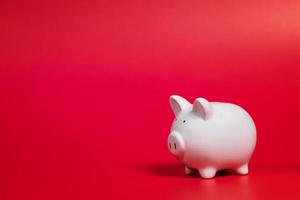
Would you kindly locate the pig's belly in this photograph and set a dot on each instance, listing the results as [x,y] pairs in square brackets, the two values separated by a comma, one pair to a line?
[217,159]
[230,146]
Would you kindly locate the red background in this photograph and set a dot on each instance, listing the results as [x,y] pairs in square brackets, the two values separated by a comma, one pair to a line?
[84,91]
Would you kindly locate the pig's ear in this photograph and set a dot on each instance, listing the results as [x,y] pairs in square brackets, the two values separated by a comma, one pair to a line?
[178,103]
[202,107]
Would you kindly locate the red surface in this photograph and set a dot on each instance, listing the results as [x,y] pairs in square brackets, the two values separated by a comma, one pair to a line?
[84,91]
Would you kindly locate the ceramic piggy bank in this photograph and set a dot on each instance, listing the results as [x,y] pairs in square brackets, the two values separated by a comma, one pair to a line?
[211,136]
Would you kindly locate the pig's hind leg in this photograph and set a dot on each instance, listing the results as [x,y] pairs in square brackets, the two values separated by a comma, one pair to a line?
[243,169]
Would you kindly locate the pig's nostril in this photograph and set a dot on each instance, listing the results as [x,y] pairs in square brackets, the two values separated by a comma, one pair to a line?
[170,146]
[175,145]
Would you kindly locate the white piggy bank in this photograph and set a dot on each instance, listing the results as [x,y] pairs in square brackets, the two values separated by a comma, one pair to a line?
[211,136]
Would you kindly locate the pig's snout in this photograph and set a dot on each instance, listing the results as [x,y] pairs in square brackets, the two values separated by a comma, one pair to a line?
[176,144]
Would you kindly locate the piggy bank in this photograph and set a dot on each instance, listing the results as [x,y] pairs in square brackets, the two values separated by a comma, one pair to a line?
[211,136]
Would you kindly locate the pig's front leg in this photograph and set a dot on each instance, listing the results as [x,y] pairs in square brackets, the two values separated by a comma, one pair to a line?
[208,172]
[188,170]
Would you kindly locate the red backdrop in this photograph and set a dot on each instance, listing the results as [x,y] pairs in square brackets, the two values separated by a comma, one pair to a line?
[84,91]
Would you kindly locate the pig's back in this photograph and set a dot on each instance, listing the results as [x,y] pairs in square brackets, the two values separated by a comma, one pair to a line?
[234,133]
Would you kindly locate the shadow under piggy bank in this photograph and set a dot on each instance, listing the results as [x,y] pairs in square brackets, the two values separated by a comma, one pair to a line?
[175,170]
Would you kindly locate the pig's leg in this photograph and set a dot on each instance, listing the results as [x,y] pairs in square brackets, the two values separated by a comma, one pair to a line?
[188,170]
[208,172]
[243,169]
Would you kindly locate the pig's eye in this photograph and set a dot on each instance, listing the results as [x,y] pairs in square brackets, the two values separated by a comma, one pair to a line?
[184,121]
